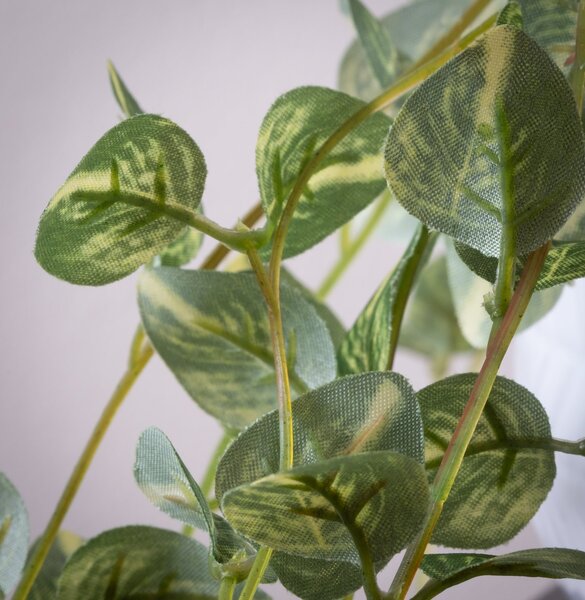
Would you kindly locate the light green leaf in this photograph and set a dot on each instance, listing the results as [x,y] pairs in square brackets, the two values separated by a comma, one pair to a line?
[511,14]
[129,197]
[447,570]
[565,262]
[455,177]
[13,535]
[124,98]
[345,182]
[383,57]
[430,324]
[320,510]
[139,562]
[212,331]
[334,325]
[45,585]
[503,480]
[183,250]
[366,346]
[361,413]
[552,23]
[469,294]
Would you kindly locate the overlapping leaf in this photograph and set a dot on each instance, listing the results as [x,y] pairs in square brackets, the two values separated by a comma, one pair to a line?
[454,177]
[505,475]
[129,197]
[361,413]
[366,347]
[45,585]
[13,535]
[320,510]
[344,183]
[212,330]
[183,249]
[139,562]
[447,570]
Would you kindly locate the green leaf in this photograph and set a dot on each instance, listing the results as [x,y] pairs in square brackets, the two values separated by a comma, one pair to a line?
[455,177]
[183,249]
[430,324]
[552,23]
[511,14]
[139,562]
[13,535]
[129,197]
[447,570]
[124,98]
[366,346]
[383,57]
[296,126]
[334,325]
[323,510]
[361,413]
[470,293]
[503,480]
[565,262]
[212,331]
[45,585]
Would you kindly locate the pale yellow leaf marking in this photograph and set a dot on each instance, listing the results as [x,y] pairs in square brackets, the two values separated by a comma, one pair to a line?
[366,170]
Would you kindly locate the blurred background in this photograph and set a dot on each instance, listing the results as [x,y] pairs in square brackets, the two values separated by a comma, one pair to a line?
[214,67]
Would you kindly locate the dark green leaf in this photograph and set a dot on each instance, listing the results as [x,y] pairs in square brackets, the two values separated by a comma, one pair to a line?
[453,177]
[212,330]
[296,126]
[129,197]
[503,479]
[511,15]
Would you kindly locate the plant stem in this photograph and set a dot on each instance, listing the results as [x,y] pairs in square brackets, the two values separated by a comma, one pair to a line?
[350,248]
[38,557]
[398,89]
[226,588]
[461,438]
[256,573]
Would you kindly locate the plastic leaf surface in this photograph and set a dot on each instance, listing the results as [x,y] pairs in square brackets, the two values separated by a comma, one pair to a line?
[212,331]
[129,197]
[296,126]
[503,129]
[504,478]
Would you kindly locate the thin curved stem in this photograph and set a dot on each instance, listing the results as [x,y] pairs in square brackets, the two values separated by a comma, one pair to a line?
[226,588]
[461,438]
[40,553]
[256,573]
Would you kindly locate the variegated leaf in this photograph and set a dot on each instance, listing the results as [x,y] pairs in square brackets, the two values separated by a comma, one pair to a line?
[470,294]
[366,347]
[345,182]
[447,570]
[129,197]
[361,413]
[564,262]
[505,475]
[124,98]
[45,585]
[430,324]
[183,249]
[139,562]
[13,535]
[212,330]
[503,126]
[511,14]
[321,510]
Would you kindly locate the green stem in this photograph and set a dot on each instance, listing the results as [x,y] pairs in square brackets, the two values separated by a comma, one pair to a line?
[351,248]
[461,438]
[397,90]
[420,254]
[226,588]
[38,557]
[256,573]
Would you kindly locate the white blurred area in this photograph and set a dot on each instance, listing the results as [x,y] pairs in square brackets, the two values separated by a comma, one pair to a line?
[214,67]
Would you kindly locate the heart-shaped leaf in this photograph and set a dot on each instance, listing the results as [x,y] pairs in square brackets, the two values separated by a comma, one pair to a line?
[504,477]
[129,197]
[345,182]
[139,562]
[503,131]
[13,535]
[212,331]
[447,570]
